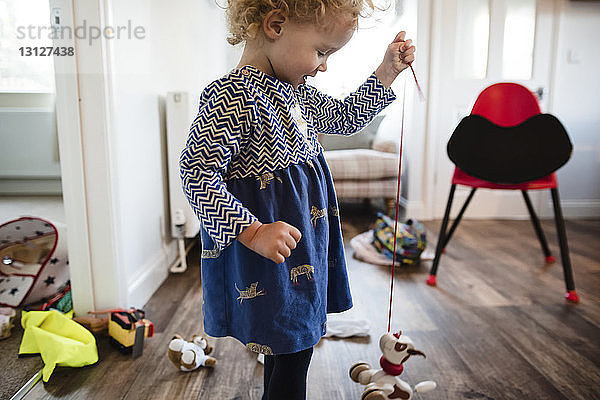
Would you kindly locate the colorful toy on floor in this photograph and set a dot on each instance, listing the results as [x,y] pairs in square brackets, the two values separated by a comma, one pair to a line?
[411,239]
[62,301]
[190,355]
[385,383]
[127,329]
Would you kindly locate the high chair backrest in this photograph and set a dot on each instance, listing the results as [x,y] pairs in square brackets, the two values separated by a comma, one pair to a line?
[506,142]
[506,104]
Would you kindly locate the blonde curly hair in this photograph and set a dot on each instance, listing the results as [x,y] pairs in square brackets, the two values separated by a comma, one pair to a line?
[244,17]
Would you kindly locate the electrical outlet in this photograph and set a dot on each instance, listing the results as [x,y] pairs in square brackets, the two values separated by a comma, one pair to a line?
[573,56]
[56,17]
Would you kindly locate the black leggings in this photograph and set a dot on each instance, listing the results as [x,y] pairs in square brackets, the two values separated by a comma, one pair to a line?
[285,375]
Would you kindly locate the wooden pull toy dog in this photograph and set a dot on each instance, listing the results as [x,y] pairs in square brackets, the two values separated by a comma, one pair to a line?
[385,383]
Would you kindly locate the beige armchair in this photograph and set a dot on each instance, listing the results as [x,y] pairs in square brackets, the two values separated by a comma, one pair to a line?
[363,166]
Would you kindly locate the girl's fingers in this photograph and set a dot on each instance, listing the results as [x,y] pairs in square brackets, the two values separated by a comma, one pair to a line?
[406,57]
[290,242]
[399,37]
[410,50]
[284,250]
[295,233]
[278,258]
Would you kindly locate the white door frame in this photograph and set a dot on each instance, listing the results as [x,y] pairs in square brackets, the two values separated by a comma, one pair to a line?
[83,104]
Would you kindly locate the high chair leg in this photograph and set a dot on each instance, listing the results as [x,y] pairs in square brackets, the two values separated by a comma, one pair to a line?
[458,218]
[538,228]
[431,281]
[564,248]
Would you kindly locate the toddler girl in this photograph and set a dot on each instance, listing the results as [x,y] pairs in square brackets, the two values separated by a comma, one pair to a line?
[273,259]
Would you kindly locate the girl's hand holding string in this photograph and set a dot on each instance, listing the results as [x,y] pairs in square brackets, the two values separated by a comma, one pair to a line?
[398,56]
[274,241]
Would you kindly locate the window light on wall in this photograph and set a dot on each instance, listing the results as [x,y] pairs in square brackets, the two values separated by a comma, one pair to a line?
[25,23]
[473,32]
[349,67]
[519,35]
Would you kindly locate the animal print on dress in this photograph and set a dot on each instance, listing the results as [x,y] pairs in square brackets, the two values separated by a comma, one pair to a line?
[214,253]
[260,348]
[316,214]
[249,293]
[266,178]
[301,270]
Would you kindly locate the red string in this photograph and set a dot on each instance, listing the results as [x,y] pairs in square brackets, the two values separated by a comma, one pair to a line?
[397,207]
[421,95]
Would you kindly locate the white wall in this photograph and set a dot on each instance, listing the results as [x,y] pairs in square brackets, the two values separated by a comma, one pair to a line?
[184,48]
[575,100]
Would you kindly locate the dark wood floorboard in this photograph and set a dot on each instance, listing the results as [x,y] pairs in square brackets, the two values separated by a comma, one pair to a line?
[496,327]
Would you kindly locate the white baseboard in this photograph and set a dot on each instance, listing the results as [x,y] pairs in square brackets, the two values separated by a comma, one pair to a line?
[414,209]
[151,275]
[577,208]
[571,209]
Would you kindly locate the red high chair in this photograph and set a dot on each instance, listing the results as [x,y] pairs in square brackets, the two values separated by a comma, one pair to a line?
[512,125]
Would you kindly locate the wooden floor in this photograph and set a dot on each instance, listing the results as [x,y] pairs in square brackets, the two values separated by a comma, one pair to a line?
[496,327]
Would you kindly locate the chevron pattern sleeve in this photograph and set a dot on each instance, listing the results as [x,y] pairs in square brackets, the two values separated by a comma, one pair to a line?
[217,135]
[348,116]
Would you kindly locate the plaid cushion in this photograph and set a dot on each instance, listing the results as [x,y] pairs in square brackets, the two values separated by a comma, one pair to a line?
[388,146]
[361,140]
[346,189]
[359,164]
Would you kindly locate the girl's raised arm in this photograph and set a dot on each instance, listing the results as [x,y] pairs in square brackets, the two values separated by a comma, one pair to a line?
[348,116]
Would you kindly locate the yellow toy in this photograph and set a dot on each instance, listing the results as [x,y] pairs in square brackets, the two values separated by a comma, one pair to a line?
[127,328]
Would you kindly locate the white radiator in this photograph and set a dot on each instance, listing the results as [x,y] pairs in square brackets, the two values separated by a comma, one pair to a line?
[181,111]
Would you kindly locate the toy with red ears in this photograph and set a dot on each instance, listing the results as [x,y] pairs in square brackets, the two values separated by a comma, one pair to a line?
[385,383]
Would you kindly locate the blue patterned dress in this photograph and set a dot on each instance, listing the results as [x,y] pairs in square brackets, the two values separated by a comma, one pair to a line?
[252,154]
